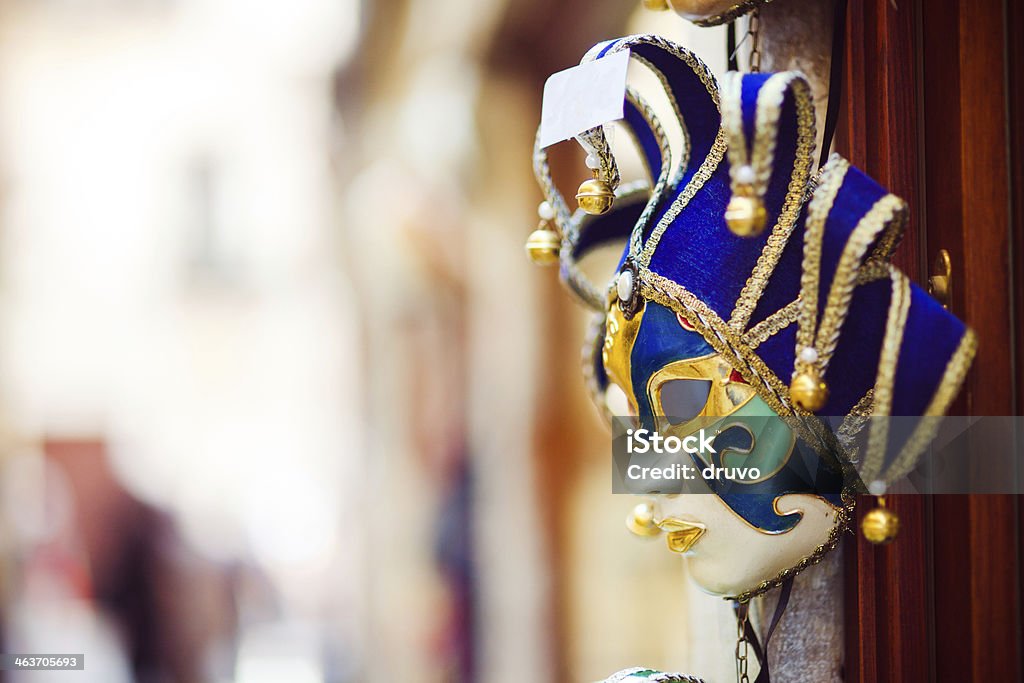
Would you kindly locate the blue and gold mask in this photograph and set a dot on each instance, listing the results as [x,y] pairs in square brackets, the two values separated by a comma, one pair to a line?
[756,293]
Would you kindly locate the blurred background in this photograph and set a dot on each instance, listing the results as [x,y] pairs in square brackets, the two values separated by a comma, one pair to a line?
[281,397]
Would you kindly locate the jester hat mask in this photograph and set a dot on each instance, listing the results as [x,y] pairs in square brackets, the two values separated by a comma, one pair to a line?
[699,322]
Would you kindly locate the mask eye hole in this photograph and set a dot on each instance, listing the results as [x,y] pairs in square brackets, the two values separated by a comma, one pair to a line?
[684,399]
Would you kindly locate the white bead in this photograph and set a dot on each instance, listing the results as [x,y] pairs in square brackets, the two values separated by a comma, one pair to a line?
[745,175]
[545,211]
[593,162]
[809,354]
[877,487]
[624,285]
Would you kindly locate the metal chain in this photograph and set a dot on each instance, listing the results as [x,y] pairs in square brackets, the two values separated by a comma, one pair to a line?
[742,644]
[754,30]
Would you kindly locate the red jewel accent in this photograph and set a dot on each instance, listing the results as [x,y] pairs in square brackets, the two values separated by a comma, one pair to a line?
[735,377]
[685,323]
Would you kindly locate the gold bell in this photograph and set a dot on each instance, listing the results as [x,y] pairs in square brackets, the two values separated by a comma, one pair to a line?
[656,5]
[543,245]
[641,521]
[881,525]
[745,215]
[595,196]
[808,392]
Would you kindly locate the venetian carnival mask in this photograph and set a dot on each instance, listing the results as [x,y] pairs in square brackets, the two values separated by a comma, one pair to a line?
[754,298]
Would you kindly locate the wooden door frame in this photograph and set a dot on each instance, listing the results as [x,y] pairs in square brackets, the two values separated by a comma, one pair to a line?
[925,113]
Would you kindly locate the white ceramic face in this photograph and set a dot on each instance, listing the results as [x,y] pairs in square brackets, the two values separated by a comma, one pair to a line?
[732,556]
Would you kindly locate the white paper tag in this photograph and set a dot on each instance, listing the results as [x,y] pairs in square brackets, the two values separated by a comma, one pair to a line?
[583,97]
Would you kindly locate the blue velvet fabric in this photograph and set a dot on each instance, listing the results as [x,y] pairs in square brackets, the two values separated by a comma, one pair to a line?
[933,335]
[713,262]
[699,252]
[856,196]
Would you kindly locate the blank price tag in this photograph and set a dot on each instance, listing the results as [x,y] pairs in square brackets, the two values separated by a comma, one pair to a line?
[583,97]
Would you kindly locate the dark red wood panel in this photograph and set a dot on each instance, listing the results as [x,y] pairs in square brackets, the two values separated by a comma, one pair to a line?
[976,537]
[1015,83]
[930,85]
[878,131]
[887,634]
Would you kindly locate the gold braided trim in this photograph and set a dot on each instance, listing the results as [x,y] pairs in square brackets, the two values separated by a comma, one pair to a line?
[754,371]
[854,420]
[662,182]
[722,338]
[878,434]
[953,377]
[542,172]
[728,343]
[853,423]
[770,100]
[872,270]
[772,325]
[832,178]
[923,434]
[768,111]
[732,117]
[597,141]
[700,69]
[734,12]
[843,516]
[844,280]
[891,237]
